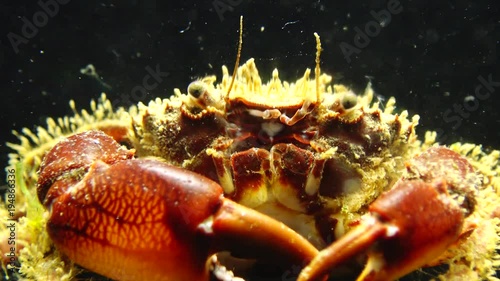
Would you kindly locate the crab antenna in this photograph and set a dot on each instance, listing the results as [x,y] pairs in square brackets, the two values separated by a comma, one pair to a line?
[317,70]
[240,43]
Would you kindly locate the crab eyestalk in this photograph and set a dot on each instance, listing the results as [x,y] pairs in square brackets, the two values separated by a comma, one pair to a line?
[139,219]
[410,225]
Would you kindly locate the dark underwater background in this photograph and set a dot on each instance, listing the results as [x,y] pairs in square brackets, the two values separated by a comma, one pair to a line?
[433,56]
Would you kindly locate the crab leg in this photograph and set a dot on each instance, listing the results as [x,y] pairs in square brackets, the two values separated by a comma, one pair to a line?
[411,224]
[142,219]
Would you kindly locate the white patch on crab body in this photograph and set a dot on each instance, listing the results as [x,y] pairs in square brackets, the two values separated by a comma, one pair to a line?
[392,231]
[226,180]
[254,198]
[312,184]
[272,128]
[351,186]
[287,196]
[340,230]
[207,225]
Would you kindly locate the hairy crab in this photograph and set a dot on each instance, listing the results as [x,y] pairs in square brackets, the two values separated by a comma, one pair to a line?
[219,168]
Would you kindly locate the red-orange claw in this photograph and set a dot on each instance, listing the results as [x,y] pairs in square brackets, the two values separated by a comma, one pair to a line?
[408,226]
[136,220]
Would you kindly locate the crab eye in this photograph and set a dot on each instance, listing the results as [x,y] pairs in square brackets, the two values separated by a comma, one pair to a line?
[196,89]
[349,100]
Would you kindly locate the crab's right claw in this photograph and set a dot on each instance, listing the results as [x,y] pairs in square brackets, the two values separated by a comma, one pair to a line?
[410,225]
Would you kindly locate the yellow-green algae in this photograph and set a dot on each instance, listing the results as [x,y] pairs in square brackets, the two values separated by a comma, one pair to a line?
[475,259]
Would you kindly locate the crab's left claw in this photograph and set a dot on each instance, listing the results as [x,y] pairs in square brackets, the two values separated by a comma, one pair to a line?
[142,219]
[410,225]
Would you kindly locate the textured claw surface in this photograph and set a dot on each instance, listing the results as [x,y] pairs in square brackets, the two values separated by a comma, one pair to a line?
[128,220]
